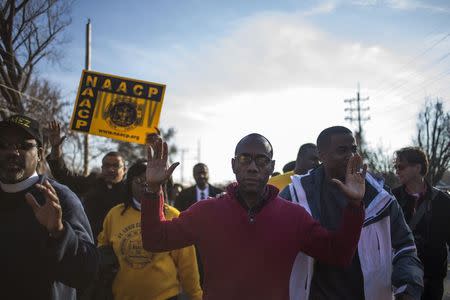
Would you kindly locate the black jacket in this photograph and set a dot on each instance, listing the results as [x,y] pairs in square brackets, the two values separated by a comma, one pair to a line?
[97,198]
[188,196]
[36,266]
[432,232]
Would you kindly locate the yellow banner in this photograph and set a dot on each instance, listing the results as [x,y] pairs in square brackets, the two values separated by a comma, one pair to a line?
[116,107]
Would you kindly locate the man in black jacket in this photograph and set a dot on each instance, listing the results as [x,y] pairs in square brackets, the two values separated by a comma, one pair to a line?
[427,211]
[47,250]
[99,192]
[200,191]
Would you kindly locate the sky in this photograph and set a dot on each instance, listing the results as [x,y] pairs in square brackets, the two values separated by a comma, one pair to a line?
[279,68]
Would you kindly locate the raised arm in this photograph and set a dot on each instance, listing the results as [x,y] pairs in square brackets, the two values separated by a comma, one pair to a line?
[76,182]
[338,247]
[70,245]
[159,234]
[331,247]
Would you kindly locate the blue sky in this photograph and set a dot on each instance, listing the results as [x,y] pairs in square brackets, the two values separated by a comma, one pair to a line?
[280,68]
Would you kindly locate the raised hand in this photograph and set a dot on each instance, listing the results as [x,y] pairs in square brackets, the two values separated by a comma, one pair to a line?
[157,171]
[354,186]
[54,134]
[48,215]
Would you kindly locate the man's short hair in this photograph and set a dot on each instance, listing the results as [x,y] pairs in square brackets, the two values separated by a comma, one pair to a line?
[116,154]
[290,166]
[324,138]
[414,155]
[199,165]
[304,148]
[255,135]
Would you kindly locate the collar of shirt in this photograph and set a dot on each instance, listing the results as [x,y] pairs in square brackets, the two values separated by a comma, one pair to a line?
[418,195]
[20,186]
[257,208]
[199,192]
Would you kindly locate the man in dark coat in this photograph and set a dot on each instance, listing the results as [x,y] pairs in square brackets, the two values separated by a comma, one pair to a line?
[47,250]
[200,191]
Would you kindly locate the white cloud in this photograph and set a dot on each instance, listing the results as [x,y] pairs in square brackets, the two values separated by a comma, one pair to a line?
[403,5]
[272,73]
[322,8]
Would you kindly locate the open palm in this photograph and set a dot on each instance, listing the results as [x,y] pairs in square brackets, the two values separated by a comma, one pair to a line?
[49,214]
[157,155]
[54,134]
[354,186]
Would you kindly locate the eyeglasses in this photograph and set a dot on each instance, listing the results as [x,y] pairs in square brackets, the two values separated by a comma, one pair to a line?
[23,146]
[114,166]
[246,159]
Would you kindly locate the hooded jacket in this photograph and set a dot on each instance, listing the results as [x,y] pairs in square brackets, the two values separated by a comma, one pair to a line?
[386,248]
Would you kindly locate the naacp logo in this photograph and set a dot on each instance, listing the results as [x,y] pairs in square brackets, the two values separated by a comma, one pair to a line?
[123,115]
[133,252]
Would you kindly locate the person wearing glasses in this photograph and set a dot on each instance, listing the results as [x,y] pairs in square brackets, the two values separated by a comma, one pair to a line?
[47,247]
[427,212]
[248,237]
[98,192]
[142,274]
[386,263]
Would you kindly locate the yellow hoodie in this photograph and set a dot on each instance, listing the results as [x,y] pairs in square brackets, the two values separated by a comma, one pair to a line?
[144,275]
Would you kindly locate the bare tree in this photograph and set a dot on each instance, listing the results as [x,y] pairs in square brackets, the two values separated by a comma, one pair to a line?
[30,30]
[131,152]
[433,136]
[381,164]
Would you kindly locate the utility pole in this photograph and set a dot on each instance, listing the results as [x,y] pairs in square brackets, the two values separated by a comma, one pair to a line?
[359,109]
[199,148]
[182,152]
[87,67]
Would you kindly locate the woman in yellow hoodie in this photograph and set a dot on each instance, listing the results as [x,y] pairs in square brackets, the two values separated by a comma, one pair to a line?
[144,275]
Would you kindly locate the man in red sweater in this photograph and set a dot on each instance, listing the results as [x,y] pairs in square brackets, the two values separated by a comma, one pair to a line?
[249,237]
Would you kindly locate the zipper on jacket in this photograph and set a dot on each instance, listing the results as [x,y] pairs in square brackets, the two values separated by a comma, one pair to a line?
[378,242]
[251,216]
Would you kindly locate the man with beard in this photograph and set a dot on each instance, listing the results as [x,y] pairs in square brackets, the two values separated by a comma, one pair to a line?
[99,193]
[47,250]
[249,237]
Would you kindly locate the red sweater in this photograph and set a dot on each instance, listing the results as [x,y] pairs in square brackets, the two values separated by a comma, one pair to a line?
[249,260]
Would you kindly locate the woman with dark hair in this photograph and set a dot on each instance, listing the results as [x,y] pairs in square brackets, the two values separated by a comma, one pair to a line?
[142,274]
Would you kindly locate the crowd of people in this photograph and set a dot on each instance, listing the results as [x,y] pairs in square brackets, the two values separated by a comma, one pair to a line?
[325,229]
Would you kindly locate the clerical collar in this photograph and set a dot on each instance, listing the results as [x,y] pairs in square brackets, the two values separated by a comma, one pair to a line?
[20,186]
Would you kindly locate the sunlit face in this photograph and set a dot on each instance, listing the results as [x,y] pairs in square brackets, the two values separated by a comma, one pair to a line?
[19,155]
[336,156]
[113,169]
[407,172]
[253,165]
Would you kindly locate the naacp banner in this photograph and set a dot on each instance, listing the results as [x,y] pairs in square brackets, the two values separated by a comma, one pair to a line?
[116,107]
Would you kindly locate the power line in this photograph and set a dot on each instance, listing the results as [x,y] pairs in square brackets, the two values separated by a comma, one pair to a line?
[396,87]
[416,89]
[403,67]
